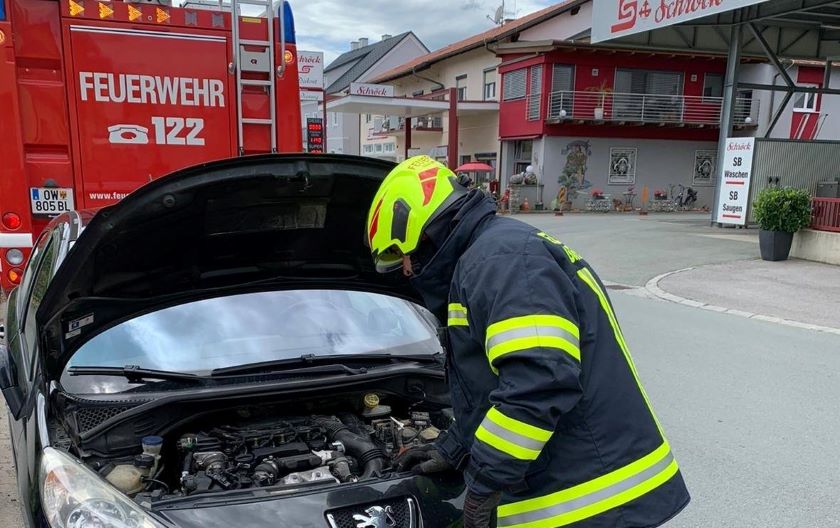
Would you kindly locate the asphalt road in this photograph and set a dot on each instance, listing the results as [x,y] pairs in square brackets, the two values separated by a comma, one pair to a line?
[750,409]
[9,497]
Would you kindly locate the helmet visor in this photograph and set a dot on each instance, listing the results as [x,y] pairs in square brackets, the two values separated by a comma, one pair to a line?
[388,260]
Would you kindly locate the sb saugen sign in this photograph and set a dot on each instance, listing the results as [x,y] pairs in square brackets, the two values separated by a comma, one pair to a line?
[618,18]
[735,181]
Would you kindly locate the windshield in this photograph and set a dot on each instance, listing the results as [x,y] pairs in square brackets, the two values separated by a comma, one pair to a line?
[242,329]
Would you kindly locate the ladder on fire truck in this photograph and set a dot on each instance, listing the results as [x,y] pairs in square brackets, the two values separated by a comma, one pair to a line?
[256,56]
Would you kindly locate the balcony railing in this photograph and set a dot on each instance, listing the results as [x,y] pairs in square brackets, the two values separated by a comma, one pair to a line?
[646,108]
[826,214]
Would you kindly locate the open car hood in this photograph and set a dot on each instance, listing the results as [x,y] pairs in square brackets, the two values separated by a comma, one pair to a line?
[247,224]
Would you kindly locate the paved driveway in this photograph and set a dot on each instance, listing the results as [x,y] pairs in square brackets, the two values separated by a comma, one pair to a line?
[632,249]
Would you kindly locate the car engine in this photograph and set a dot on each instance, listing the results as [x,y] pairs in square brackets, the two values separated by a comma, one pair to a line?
[286,452]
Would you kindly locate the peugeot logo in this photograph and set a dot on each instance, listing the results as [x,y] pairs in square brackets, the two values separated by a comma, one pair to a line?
[376,517]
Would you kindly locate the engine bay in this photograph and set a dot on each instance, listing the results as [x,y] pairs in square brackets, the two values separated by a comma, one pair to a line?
[266,447]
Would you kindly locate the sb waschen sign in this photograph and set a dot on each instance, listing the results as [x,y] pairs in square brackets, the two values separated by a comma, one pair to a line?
[735,181]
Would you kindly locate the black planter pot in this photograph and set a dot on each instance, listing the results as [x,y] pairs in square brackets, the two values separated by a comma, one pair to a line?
[774,245]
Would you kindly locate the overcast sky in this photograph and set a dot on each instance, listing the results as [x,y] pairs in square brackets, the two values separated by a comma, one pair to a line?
[330,25]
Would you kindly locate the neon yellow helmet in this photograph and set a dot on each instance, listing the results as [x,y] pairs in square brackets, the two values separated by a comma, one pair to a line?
[413,194]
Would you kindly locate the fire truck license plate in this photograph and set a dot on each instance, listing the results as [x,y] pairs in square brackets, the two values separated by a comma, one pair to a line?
[50,200]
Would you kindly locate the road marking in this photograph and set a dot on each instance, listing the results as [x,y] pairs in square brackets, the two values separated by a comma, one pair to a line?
[652,286]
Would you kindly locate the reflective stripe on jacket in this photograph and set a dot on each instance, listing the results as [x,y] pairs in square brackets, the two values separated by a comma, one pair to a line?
[548,404]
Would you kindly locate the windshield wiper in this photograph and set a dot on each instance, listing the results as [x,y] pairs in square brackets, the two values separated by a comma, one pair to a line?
[386,356]
[135,374]
[317,369]
[335,361]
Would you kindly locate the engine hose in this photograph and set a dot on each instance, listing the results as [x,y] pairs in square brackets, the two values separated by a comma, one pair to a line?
[367,452]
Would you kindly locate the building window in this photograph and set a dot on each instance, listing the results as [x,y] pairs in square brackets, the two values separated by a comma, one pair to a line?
[490,84]
[535,93]
[642,95]
[389,147]
[806,102]
[562,90]
[490,91]
[484,178]
[440,153]
[744,106]
[513,84]
[378,148]
[522,155]
[648,82]
[461,86]
[367,149]
[713,85]
[466,158]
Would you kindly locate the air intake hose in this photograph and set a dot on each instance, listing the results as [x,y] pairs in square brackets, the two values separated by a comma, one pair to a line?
[362,448]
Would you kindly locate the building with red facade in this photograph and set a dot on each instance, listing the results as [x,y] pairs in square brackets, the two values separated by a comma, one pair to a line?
[594,118]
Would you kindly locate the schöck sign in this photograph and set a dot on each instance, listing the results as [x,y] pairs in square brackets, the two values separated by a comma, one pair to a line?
[376,90]
[619,18]
[311,69]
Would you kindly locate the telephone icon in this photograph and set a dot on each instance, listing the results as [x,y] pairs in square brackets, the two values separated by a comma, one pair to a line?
[128,134]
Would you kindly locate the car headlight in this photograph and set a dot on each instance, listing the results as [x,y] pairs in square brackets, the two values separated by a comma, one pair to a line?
[73,496]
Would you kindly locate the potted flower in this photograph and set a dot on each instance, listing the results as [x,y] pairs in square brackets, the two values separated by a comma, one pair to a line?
[597,194]
[603,90]
[780,212]
[660,194]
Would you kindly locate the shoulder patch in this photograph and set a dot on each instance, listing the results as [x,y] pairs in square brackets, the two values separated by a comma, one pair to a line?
[546,236]
[570,253]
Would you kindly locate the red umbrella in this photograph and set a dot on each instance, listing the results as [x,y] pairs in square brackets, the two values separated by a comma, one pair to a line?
[475,166]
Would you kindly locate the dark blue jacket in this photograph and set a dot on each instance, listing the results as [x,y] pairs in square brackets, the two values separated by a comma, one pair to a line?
[548,404]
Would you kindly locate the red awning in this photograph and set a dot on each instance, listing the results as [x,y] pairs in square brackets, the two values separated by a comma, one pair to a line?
[475,167]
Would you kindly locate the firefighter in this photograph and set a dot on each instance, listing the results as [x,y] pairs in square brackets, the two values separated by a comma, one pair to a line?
[552,425]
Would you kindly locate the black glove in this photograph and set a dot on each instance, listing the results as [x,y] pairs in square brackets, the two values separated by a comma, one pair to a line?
[479,509]
[422,460]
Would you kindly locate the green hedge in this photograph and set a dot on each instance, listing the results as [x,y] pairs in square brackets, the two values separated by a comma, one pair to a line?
[783,209]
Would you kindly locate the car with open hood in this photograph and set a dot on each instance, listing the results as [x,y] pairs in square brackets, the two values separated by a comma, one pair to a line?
[217,350]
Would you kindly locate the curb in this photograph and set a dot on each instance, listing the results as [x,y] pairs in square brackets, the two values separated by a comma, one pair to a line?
[652,286]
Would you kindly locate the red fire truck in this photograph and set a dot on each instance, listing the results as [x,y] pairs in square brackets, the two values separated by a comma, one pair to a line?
[99,97]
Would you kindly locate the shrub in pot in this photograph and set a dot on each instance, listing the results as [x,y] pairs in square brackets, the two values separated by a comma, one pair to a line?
[780,212]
